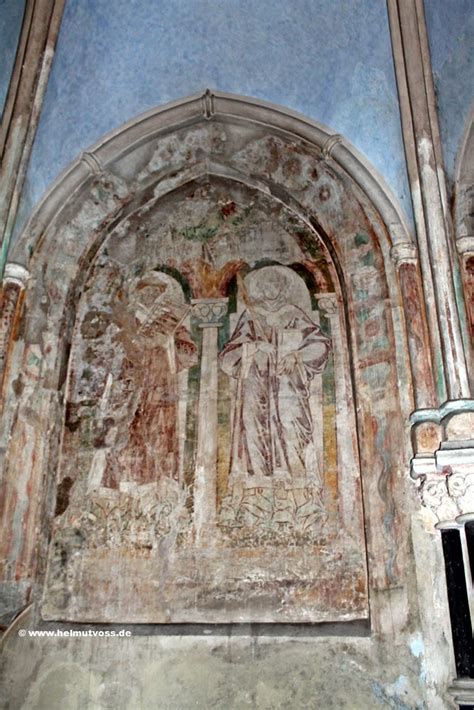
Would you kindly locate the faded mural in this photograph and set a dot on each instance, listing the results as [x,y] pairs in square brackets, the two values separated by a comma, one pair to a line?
[205,452]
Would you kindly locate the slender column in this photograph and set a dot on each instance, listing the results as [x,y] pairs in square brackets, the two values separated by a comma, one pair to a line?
[404,257]
[34,57]
[15,576]
[209,313]
[11,299]
[316,403]
[425,170]
[346,448]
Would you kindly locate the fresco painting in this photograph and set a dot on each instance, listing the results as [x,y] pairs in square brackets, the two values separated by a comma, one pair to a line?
[273,355]
[204,449]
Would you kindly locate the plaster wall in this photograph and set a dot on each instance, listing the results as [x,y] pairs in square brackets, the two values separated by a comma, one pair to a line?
[11,15]
[450,32]
[330,61]
[217,671]
[400,666]
[400,656]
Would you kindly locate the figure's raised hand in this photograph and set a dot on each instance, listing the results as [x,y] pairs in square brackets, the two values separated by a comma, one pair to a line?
[287,365]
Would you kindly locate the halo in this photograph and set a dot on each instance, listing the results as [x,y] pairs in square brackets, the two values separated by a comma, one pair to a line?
[294,289]
[172,291]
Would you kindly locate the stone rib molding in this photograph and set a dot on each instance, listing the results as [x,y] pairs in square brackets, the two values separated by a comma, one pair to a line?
[92,163]
[330,144]
[423,154]
[34,57]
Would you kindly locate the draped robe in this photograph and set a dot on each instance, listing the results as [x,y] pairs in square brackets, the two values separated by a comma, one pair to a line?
[272,425]
[153,361]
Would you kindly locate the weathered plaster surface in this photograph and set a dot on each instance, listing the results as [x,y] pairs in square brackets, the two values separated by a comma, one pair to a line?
[398,665]
[11,16]
[279,167]
[450,32]
[207,235]
[322,58]
[233,671]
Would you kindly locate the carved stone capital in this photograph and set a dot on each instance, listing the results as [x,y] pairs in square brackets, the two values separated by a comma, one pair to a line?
[209,312]
[446,472]
[465,245]
[434,493]
[16,274]
[447,483]
[461,490]
[403,253]
[398,233]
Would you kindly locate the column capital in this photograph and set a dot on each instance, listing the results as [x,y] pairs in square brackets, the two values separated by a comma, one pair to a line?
[403,253]
[16,274]
[465,245]
[434,494]
[443,464]
[209,312]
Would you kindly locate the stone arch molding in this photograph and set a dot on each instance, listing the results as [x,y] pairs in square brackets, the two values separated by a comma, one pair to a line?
[216,107]
[308,171]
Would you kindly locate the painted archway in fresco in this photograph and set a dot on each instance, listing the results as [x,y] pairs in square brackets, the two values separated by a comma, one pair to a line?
[208,415]
[228,439]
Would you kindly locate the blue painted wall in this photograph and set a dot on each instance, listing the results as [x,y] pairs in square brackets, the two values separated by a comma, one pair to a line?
[451,36]
[329,59]
[11,16]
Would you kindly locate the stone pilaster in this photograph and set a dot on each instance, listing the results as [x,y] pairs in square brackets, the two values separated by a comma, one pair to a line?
[426,175]
[405,259]
[347,462]
[209,313]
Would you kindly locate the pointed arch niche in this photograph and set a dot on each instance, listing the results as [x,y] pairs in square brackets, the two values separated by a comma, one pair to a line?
[221,342]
